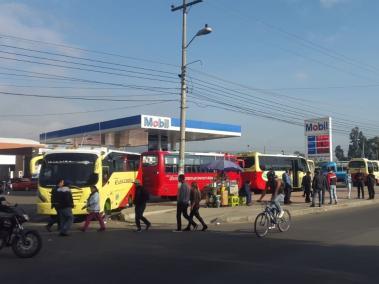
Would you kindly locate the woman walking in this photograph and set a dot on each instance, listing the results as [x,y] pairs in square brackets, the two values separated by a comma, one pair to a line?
[93,209]
[195,198]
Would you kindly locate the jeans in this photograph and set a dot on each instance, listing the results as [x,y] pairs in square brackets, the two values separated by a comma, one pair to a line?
[195,213]
[287,192]
[371,192]
[317,194]
[307,193]
[96,216]
[361,189]
[322,194]
[181,208]
[276,202]
[333,193]
[139,209]
[66,218]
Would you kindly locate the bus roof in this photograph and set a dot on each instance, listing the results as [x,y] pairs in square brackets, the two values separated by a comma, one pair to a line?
[250,154]
[96,151]
[189,153]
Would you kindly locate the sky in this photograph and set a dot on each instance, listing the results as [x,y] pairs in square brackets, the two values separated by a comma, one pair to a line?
[265,61]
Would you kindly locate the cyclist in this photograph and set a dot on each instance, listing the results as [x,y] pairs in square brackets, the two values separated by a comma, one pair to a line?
[277,193]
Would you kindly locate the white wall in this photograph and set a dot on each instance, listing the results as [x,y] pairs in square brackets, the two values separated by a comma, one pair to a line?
[7,160]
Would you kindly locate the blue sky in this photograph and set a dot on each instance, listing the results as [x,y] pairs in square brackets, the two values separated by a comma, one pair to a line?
[275,45]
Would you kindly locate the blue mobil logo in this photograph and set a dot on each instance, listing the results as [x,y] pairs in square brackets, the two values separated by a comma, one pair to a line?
[156,122]
[317,126]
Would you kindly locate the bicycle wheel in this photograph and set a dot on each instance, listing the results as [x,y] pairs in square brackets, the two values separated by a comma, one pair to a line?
[261,225]
[284,223]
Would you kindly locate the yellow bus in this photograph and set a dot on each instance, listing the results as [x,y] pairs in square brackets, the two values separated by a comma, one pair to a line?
[112,172]
[364,166]
[256,165]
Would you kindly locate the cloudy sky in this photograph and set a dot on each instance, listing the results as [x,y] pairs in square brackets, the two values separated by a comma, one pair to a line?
[267,66]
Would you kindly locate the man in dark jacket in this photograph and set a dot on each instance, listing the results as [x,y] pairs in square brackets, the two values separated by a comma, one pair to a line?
[64,204]
[306,183]
[360,182]
[319,186]
[371,182]
[54,218]
[195,198]
[140,199]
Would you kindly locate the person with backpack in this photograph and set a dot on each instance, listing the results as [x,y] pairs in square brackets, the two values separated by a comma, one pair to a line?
[54,218]
[371,182]
[64,205]
[140,199]
[93,209]
[332,184]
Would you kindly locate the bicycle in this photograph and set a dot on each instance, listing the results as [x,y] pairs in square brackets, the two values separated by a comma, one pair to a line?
[268,219]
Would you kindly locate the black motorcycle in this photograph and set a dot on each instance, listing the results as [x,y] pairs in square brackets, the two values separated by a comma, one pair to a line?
[25,243]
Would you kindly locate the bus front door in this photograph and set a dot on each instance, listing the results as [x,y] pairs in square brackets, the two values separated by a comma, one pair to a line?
[295,174]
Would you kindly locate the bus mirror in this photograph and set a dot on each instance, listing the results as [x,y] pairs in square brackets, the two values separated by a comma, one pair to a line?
[35,165]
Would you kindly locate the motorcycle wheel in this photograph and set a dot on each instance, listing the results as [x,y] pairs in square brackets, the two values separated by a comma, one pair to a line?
[28,245]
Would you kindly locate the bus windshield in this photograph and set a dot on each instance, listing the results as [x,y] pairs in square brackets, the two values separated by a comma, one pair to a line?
[357,164]
[77,168]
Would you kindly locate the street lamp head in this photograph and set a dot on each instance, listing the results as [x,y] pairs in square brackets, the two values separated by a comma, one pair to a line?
[204,31]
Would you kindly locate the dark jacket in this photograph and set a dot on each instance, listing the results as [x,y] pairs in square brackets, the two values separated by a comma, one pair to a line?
[63,198]
[306,183]
[360,178]
[54,197]
[319,183]
[141,196]
[371,180]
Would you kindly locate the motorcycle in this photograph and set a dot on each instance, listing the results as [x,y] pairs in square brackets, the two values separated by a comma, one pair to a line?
[24,243]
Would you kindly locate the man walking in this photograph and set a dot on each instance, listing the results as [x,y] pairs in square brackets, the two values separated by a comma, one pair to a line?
[371,181]
[332,184]
[360,180]
[183,199]
[64,207]
[140,199]
[319,185]
[306,183]
[286,177]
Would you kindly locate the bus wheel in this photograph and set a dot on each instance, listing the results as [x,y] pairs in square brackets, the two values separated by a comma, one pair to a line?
[107,210]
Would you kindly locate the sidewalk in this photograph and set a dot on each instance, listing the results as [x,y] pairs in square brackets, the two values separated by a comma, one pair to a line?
[165,213]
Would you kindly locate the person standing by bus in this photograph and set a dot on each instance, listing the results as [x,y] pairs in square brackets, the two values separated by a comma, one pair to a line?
[195,198]
[140,199]
[348,184]
[64,205]
[270,184]
[286,177]
[54,218]
[332,184]
[319,185]
[93,209]
[183,199]
[371,182]
[360,180]
[306,183]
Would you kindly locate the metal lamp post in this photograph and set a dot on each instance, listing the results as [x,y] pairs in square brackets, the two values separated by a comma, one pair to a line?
[183,98]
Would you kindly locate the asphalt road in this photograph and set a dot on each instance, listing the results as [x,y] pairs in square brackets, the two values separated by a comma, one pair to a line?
[335,247]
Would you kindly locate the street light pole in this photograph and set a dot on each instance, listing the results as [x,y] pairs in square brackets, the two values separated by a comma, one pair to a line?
[183,93]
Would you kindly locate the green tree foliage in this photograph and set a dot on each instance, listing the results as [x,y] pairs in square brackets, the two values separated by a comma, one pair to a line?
[340,153]
[359,147]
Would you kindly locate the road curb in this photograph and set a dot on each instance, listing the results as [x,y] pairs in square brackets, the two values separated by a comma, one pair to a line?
[296,212]
[131,216]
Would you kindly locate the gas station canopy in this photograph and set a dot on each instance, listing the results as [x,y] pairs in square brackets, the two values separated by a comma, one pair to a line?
[140,130]
[17,146]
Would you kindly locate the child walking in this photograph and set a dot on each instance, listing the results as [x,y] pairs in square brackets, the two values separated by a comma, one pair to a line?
[93,209]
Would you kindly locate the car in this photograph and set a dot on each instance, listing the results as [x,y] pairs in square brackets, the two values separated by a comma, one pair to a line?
[19,184]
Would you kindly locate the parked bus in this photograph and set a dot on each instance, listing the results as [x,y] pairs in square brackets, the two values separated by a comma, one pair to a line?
[160,171]
[363,165]
[112,172]
[256,166]
[339,168]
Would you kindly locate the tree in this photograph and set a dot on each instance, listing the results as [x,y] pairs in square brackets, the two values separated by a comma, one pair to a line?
[357,143]
[340,153]
[298,153]
[372,152]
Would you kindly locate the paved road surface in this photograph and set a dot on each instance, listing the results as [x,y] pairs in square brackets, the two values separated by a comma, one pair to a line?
[335,247]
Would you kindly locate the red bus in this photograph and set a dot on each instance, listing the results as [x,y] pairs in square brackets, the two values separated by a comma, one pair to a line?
[160,171]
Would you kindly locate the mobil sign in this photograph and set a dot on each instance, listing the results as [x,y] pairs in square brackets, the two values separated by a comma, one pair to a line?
[318,138]
[155,122]
[317,126]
